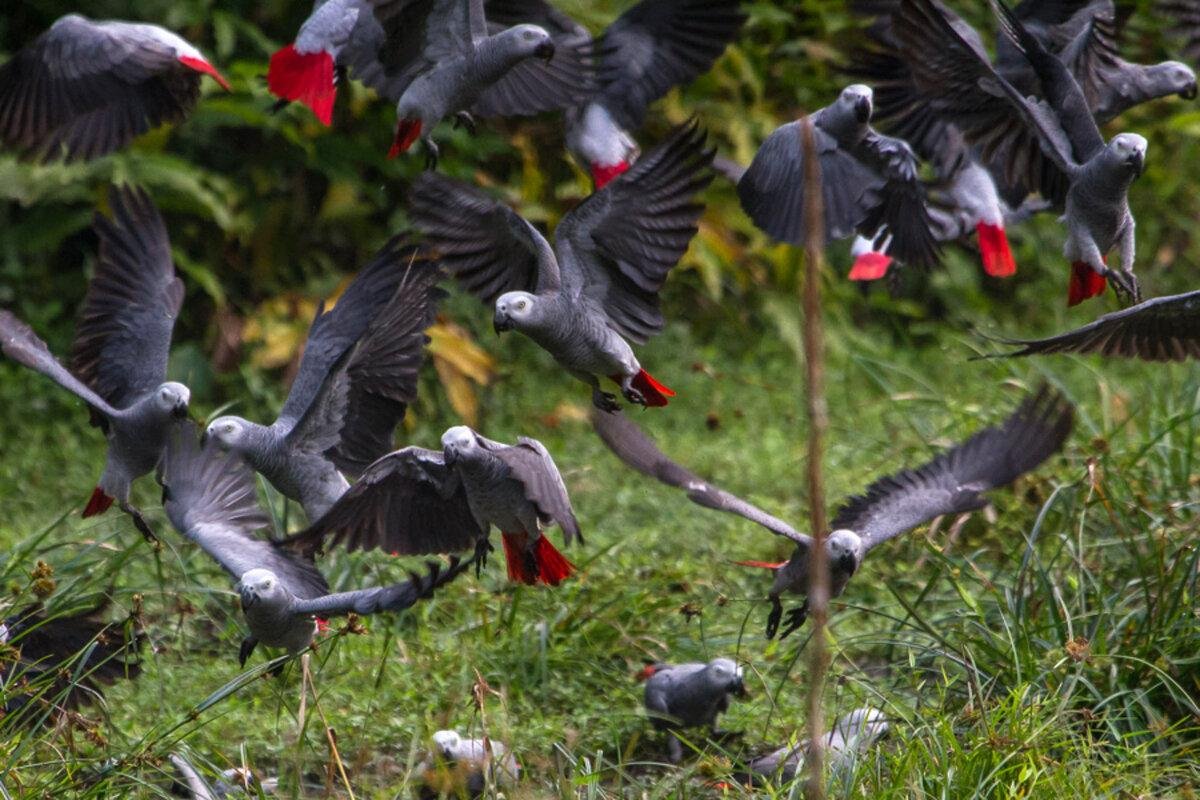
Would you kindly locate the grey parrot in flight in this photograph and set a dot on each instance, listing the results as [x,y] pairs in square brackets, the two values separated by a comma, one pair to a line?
[210,497]
[119,355]
[598,287]
[433,58]
[952,483]
[416,501]
[681,696]
[85,88]
[356,378]
[868,181]
[1058,133]
[653,46]
[1160,329]
[458,767]
[851,735]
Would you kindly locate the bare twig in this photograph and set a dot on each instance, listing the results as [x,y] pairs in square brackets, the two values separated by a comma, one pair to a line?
[818,423]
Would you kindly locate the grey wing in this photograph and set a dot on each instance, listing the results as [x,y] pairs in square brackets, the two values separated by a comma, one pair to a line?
[396,597]
[489,248]
[630,444]
[123,337]
[902,207]
[210,497]
[1162,329]
[634,230]
[533,85]
[658,44]
[335,331]
[772,189]
[407,503]
[22,345]
[531,466]
[954,481]
[387,50]
[83,88]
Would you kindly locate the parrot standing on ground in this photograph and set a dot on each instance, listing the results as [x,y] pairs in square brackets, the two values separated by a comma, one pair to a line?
[692,695]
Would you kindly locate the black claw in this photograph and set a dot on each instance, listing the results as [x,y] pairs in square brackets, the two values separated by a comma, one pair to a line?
[245,651]
[606,401]
[482,548]
[774,617]
[463,119]
[795,619]
[634,396]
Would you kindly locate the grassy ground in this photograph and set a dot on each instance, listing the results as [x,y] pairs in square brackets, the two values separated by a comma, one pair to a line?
[1049,649]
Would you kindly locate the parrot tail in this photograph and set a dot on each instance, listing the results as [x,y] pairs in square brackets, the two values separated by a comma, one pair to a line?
[544,564]
[602,174]
[407,131]
[654,393]
[870,266]
[200,65]
[304,77]
[98,503]
[1085,283]
[761,564]
[647,672]
[994,251]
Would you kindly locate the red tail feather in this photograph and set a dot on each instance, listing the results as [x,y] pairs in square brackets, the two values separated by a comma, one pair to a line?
[553,567]
[407,131]
[98,503]
[547,565]
[514,557]
[304,77]
[647,672]
[1085,283]
[994,251]
[602,174]
[870,266]
[761,564]
[654,392]
[200,65]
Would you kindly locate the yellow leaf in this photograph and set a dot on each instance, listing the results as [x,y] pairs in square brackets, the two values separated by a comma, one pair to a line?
[452,345]
[459,390]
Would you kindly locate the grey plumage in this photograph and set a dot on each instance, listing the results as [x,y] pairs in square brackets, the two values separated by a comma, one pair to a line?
[85,88]
[851,735]
[209,496]
[357,375]
[459,767]
[691,695]
[599,286]
[417,501]
[119,355]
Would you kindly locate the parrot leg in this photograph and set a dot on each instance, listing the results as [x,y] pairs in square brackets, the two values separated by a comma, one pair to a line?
[774,617]
[431,153]
[463,119]
[246,650]
[140,523]
[631,394]
[674,749]
[605,401]
[482,548]
[795,618]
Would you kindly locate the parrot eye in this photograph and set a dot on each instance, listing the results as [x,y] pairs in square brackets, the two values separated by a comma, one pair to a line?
[521,305]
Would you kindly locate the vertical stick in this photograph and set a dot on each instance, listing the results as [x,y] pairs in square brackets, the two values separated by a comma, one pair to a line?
[818,424]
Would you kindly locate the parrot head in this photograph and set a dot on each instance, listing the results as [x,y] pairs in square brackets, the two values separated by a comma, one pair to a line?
[528,40]
[226,431]
[172,398]
[514,310]
[859,100]
[457,442]
[1130,150]
[446,743]
[845,551]
[1182,76]
[726,675]
[257,585]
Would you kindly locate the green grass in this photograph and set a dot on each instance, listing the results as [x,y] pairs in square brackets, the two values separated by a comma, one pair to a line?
[1050,651]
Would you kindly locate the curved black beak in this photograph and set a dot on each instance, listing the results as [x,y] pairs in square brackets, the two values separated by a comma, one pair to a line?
[449,455]
[501,322]
[862,109]
[1138,162]
[248,598]
[204,438]
[1190,92]
[544,51]
[847,564]
[180,411]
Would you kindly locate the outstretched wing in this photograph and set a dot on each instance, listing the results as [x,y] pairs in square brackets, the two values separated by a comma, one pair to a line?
[335,331]
[638,451]
[533,85]
[124,334]
[955,481]
[22,345]
[1162,329]
[396,597]
[902,202]
[627,236]
[487,246]
[407,503]
[410,37]
[209,496]
[530,465]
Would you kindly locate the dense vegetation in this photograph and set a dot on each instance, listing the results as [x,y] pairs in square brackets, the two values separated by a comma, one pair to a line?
[1047,648]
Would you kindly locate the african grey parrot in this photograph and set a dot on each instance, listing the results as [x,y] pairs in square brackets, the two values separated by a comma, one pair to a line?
[356,379]
[851,735]
[1161,329]
[119,355]
[867,180]
[234,782]
[599,286]
[959,82]
[951,483]
[433,58]
[62,660]
[458,767]
[653,46]
[416,501]
[86,88]
[209,496]
[689,696]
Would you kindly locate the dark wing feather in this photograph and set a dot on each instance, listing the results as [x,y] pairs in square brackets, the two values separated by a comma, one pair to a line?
[902,202]
[388,53]
[123,338]
[22,345]
[533,85]
[954,481]
[509,13]
[658,44]
[1184,21]
[628,235]
[489,248]
[396,597]
[210,497]
[407,503]
[85,88]
[530,465]
[1162,329]
[638,451]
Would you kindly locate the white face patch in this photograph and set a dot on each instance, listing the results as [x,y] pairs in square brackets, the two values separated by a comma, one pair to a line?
[258,580]
[459,437]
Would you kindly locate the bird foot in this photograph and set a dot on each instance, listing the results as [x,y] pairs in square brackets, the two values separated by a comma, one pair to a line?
[795,618]
[674,749]
[605,401]
[463,119]
[633,395]
[482,548]
[246,650]
[774,617]
[1125,285]
[142,525]
[432,152]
